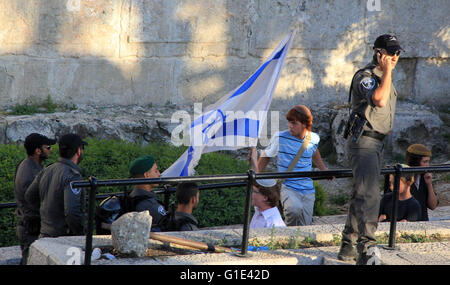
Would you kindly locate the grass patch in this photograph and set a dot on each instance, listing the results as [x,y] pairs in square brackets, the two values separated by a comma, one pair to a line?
[46,106]
[411,238]
[340,199]
[446,178]
[293,242]
[298,242]
[320,203]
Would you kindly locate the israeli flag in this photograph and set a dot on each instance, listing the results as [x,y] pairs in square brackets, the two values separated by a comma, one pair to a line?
[236,120]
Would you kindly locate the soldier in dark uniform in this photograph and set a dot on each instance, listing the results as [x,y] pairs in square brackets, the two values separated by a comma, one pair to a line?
[188,197]
[373,99]
[38,149]
[142,196]
[61,207]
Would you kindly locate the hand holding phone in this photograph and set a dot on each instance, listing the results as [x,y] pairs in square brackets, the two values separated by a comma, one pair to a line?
[384,61]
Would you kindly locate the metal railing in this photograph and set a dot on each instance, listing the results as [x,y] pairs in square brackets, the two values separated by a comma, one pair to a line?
[243,179]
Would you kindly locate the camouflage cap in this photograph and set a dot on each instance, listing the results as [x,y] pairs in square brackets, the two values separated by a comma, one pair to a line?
[419,149]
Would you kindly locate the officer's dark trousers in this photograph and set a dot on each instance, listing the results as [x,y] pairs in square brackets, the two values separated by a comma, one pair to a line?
[365,158]
[25,240]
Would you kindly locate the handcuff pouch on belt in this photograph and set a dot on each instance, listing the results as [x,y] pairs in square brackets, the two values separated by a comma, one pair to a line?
[355,126]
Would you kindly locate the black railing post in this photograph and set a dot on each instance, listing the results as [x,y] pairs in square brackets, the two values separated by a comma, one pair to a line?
[395,194]
[90,227]
[248,204]
[386,184]
[166,197]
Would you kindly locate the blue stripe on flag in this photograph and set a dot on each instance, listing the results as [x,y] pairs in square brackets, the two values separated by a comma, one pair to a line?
[184,172]
[247,84]
[242,127]
[247,131]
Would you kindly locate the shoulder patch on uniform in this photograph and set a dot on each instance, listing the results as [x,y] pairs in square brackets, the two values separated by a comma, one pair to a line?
[161,210]
[368,83]
[75,191]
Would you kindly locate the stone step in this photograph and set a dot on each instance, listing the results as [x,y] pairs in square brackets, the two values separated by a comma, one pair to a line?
[324,229]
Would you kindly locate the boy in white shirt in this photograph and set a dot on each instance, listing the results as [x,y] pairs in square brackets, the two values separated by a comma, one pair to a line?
[265,198]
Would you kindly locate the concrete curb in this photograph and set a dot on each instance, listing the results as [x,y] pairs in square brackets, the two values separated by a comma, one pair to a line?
[324,229]
[70,250]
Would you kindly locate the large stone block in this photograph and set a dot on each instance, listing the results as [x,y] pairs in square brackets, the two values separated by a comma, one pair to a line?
[416,124]
[208,80]
[12,81]
[82,28]
[431,84]
[404,77]
[71,81]
[421,26]
[18,20]
[187,27]
[19,127]
[130,233]
[36,82]
[320,25]
[99,81]
[6,83]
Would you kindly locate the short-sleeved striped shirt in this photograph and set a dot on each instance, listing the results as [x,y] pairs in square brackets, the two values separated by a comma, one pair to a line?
[285,147]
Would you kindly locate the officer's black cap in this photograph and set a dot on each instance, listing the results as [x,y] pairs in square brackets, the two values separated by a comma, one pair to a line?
[388,42]
[71,141]
[35,140]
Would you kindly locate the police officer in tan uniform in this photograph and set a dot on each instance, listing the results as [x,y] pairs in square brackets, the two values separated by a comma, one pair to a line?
[373,100]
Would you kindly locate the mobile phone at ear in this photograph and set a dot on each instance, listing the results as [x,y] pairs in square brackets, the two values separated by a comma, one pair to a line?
[375,56]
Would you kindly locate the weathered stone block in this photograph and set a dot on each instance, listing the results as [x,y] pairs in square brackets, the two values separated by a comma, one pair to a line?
[403,18]
[431,84]
[130,233]
[127,51]
[319,25]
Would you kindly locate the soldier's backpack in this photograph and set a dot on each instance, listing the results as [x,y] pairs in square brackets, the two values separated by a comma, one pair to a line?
[111,208]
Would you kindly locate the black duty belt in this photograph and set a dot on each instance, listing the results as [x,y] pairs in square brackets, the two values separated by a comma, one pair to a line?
[374,134]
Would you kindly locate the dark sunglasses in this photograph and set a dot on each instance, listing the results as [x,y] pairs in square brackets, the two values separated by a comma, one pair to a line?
[49,147]
[397,53]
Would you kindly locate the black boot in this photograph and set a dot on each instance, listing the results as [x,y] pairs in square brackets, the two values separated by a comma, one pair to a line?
[347,252]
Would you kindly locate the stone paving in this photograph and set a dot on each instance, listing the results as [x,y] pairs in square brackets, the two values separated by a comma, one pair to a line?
[325,229]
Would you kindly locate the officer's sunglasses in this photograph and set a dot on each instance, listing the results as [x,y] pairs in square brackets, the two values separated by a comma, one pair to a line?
[397,53]
[48,147]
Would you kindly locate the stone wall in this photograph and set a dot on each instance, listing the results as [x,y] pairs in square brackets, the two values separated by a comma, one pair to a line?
[125,52]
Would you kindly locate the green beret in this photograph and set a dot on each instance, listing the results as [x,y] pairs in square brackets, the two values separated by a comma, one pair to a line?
[142,164]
